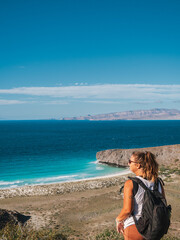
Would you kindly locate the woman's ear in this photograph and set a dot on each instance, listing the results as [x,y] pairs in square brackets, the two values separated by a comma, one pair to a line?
[138,166]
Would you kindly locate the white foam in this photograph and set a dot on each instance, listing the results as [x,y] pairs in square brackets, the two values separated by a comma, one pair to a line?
[99,168]
[94,162]
[9,183]
[84,177]
[14,186]
[50,179]
[69,178]
[124,172]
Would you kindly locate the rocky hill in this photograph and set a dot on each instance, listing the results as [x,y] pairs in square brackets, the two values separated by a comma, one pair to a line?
[153,114]
[168,156]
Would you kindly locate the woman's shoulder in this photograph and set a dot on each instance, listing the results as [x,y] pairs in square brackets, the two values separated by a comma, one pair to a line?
[132,185]
[128,184]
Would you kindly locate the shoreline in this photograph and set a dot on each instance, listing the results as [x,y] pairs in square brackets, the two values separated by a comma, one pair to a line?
[71,178]
[65,187]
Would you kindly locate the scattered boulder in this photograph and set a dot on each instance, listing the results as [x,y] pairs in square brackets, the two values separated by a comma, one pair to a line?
[13,217]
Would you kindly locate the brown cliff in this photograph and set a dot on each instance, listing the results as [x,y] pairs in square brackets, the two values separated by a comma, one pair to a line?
[165,155]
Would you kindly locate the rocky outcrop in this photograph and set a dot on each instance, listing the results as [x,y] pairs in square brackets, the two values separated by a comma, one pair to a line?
[165,155]
[12,217]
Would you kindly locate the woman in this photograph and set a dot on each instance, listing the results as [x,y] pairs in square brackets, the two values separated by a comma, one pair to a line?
[145,167]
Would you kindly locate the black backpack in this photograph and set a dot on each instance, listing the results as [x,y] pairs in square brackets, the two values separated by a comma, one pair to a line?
[155,219]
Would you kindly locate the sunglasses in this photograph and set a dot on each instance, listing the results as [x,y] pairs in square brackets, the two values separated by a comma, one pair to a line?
[130,161]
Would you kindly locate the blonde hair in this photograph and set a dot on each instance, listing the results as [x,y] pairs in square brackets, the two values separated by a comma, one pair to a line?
[148,163]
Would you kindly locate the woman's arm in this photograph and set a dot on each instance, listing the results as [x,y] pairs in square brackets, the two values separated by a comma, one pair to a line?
[127,205]
[128,201]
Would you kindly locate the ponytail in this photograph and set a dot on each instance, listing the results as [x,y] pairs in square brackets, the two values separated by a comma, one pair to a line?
[148,163]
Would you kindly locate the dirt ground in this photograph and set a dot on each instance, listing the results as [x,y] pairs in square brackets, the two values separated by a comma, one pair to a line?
[82,215]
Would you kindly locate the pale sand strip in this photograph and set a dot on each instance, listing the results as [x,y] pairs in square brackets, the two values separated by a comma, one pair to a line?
[66,187]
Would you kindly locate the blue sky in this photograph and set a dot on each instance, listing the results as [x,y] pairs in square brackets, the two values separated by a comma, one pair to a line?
[66,58]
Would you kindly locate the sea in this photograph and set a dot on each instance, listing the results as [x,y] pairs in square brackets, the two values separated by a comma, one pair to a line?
[52,151]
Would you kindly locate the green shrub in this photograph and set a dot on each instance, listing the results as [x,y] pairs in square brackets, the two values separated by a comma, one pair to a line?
[167,171]
[109,235]
[16,232]
[168,237]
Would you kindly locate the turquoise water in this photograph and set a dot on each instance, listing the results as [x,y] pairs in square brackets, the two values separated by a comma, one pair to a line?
[38,152]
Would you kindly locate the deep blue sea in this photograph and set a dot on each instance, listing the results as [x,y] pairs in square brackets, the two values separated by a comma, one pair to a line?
[41,152]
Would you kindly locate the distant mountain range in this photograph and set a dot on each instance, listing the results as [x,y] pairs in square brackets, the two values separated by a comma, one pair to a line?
[153,114]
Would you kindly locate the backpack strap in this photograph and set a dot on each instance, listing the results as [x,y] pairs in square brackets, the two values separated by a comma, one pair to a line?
[121,189]
[157,182]
[135,187]
[161,181]
[138,181]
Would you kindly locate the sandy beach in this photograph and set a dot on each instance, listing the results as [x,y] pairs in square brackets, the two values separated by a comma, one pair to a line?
[81,209]
[64,187]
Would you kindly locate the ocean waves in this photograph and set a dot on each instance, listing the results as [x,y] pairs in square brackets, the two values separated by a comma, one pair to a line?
[60,178]
[54,179]
[39,181]
[9,184]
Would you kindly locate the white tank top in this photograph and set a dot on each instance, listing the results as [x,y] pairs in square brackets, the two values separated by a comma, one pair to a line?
[138,201]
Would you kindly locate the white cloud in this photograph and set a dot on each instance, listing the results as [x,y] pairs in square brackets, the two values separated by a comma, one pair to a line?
[103,92]
[104,102]
[10,102]
[122,102]
[56,102]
